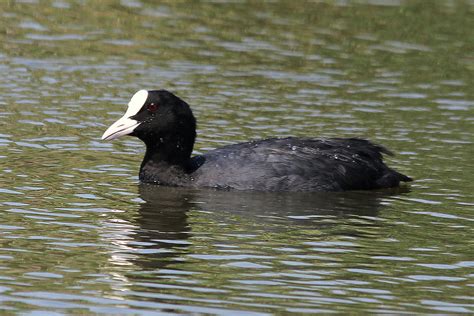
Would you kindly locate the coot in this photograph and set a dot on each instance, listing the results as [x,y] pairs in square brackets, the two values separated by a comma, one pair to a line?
[167,126]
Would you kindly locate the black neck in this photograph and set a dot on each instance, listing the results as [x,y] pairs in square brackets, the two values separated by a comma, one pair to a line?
[170,149]
[167,159]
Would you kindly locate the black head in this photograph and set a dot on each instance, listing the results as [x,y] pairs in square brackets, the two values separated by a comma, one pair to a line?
[163,114]
[158,118]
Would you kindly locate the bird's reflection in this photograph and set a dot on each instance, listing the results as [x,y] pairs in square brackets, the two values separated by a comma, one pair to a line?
[163,228]
[162,223]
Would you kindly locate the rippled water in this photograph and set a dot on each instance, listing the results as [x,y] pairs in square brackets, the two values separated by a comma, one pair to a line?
[79,234]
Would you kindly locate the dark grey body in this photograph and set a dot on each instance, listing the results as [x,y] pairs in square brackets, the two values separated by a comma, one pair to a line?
[289,164]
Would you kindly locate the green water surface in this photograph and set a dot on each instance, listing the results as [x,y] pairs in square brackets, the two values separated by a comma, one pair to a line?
[79,234]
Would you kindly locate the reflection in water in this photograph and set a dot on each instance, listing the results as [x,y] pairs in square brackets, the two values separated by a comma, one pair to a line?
[159,234]
[163,226]
[191,241]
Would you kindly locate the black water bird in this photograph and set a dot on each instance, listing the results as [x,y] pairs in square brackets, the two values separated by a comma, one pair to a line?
[167,126]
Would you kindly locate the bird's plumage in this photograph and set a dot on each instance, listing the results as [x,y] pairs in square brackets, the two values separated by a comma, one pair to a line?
[285,164]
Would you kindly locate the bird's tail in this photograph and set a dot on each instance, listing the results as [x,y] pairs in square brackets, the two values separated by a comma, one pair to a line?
[392,179]
[403,177]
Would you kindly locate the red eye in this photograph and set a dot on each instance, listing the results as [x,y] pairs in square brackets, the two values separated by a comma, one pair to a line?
[152,107]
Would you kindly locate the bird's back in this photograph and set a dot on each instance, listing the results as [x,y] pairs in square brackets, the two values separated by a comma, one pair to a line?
[297,164]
